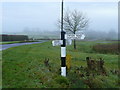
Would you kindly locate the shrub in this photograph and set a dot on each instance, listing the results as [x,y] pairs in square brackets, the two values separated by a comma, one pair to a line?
[107,48]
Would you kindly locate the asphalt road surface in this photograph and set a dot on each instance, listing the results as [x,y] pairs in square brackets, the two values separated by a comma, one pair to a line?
[6,46]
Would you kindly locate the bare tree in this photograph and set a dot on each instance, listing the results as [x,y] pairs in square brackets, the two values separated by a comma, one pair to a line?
[74,21]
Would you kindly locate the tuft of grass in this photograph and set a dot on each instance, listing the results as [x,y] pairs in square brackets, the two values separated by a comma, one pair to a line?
[62,80]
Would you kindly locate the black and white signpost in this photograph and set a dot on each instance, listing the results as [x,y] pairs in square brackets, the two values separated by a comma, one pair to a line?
[63,43]
[63,54]
[63,46]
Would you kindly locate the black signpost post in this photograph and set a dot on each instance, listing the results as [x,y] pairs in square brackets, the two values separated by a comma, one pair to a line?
[63,46]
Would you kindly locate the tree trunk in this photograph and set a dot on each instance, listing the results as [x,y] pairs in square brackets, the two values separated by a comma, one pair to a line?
[74,44]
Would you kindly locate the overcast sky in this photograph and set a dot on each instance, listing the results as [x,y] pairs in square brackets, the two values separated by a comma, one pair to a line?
[16,16]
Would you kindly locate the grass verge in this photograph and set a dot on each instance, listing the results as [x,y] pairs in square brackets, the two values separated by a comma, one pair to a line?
[24,67]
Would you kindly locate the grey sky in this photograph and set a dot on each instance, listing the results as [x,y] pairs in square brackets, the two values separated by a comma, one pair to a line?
[17,16]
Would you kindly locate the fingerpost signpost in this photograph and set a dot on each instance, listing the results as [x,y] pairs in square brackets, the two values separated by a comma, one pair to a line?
[65,37]
[63,46]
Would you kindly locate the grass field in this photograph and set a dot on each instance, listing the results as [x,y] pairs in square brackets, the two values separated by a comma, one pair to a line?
[24,67]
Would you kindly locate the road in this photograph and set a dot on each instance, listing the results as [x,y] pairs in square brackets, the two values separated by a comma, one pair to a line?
[6,46]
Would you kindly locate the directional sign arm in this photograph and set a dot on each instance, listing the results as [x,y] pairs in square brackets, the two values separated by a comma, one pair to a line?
[57,42]
[75,36]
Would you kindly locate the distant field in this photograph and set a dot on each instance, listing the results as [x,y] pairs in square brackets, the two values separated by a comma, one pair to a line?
[11,42]
[24,67]
[47,36]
